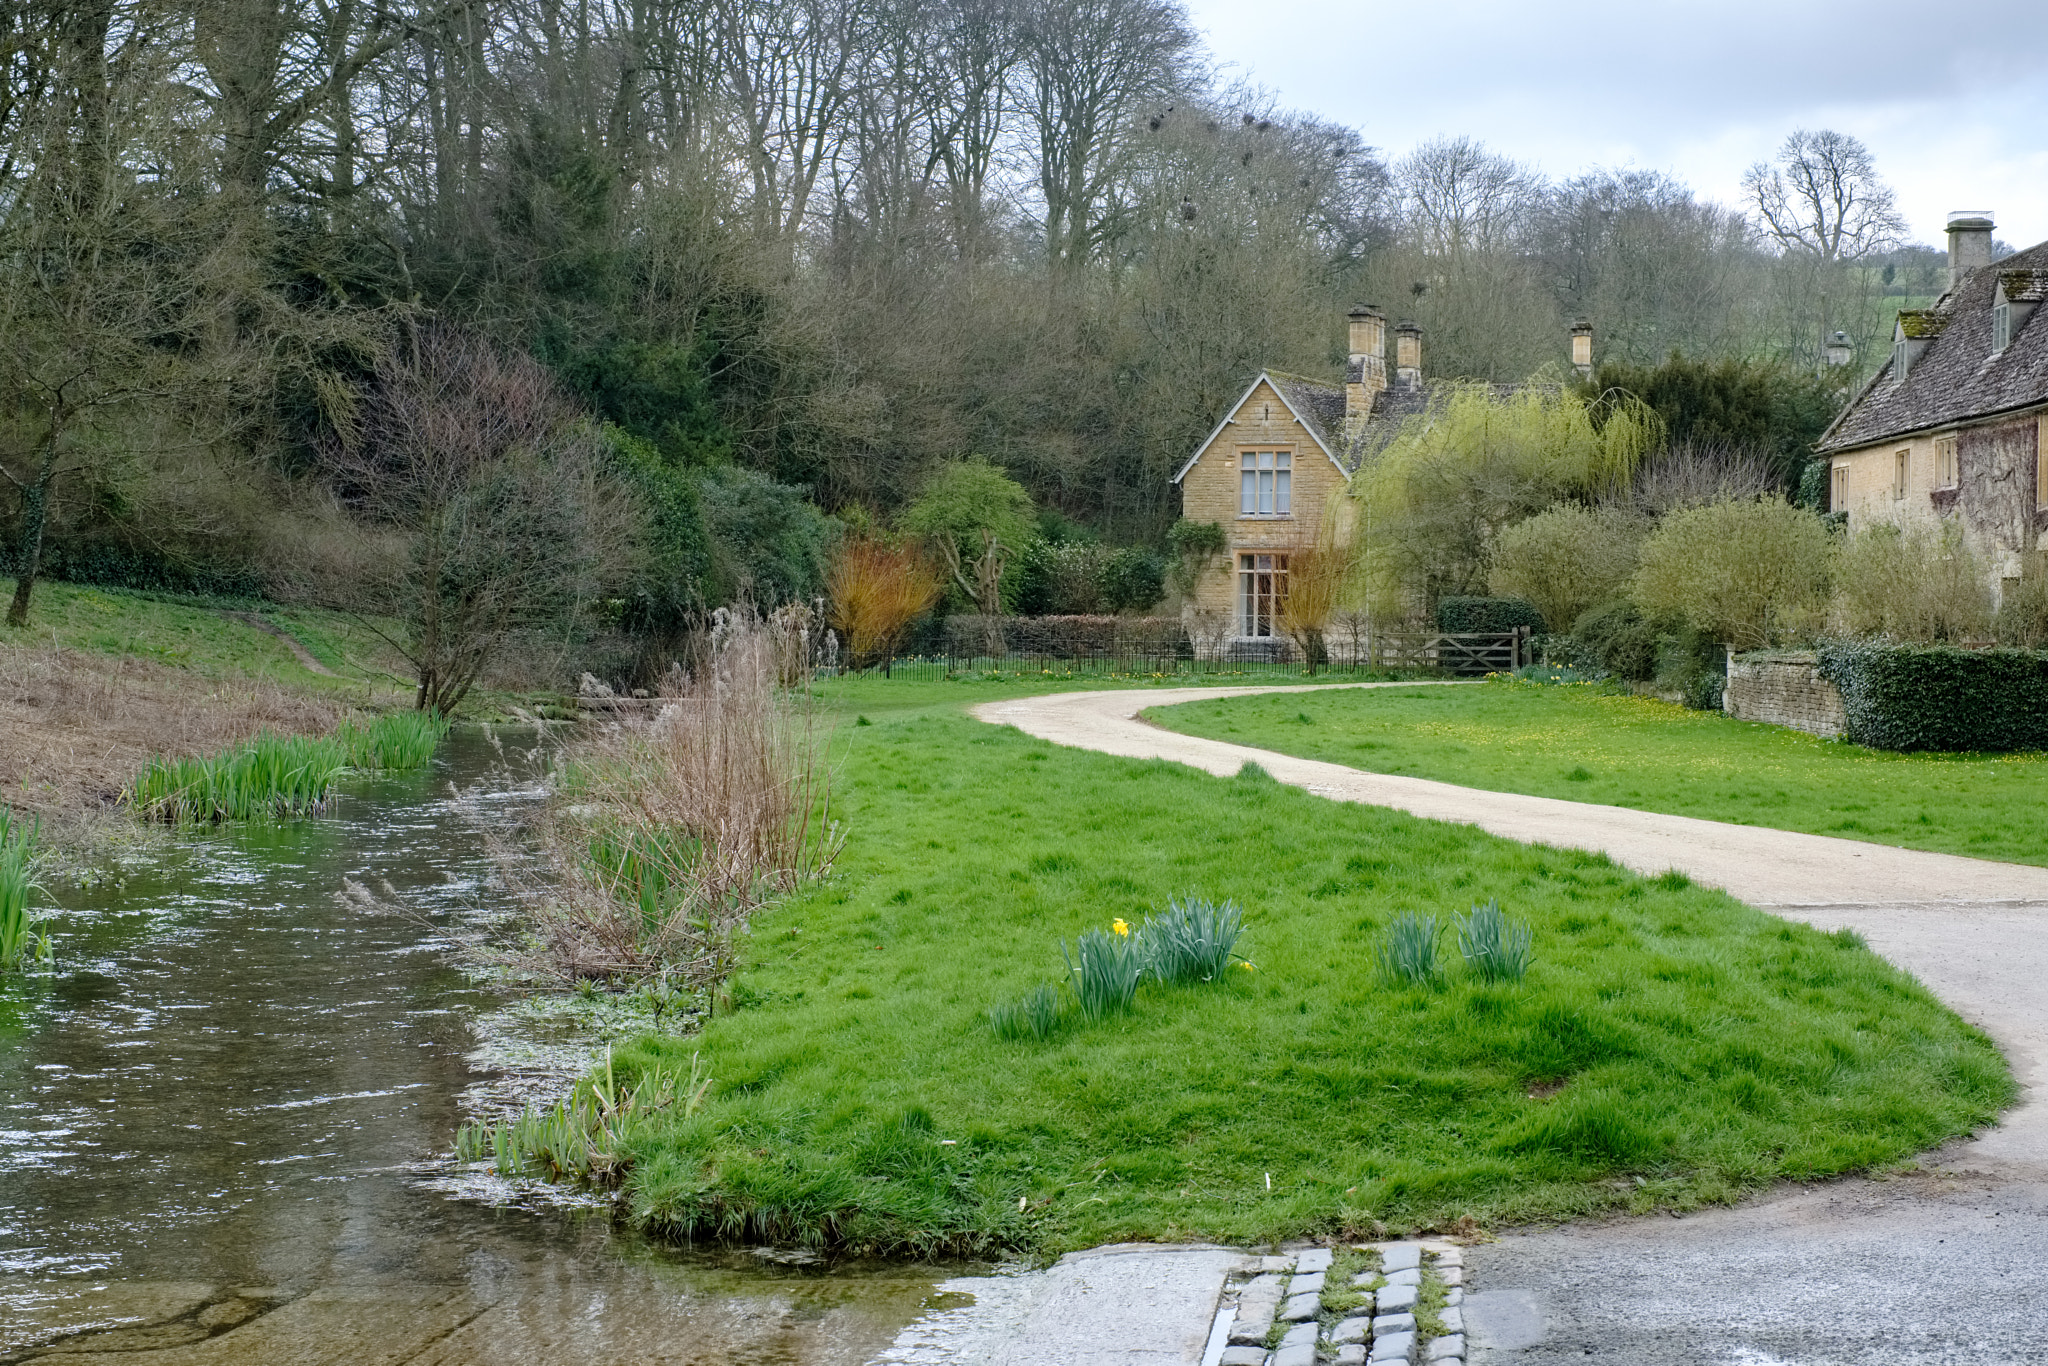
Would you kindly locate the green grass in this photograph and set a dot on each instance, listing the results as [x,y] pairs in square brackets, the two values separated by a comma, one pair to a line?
[183,633]
[1590,744]
[280,777]
[1668,1047]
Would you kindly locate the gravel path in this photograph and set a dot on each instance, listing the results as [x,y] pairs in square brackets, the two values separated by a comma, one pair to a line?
[1947,1265]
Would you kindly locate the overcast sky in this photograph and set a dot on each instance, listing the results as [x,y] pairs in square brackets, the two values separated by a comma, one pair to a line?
[1952,102]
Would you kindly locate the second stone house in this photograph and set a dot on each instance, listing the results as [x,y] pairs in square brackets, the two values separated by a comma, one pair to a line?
[1956,425]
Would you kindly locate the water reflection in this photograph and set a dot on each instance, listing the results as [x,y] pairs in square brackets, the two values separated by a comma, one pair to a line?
[213,1122]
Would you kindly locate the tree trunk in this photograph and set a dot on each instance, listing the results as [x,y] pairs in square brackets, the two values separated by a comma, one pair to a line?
[35,506]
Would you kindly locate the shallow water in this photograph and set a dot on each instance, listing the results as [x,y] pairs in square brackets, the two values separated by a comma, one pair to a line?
[222,1118]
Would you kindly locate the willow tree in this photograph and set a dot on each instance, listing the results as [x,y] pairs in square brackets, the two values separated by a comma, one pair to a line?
[1481,458]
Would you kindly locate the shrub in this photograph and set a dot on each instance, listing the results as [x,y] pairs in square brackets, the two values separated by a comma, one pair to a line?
[1407,951]
[877,590]
[1103,969]
[1565,560]
[1749,572]
[768,543]
[1035,1016]
[1458,616]
[1915,583]
[2023,615]
[1912,697]
[1496,948]
[22,933]
[1194,547]
[1615,636]
[1132,578]
[1194,941]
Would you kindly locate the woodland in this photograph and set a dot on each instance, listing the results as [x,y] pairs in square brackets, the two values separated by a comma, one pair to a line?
[572,318]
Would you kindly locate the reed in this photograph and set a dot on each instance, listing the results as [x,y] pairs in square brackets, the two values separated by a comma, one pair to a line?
[395,742]
[23,936]
[277,776]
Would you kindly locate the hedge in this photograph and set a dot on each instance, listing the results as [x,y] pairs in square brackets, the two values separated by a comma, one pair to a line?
[1068,637]
[1908,697]
[1471,616]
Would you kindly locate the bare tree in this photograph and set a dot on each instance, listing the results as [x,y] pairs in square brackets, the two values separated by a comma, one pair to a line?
[490,476]
[1824,197]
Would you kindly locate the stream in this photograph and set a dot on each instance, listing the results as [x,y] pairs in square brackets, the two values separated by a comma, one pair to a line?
[225,1115]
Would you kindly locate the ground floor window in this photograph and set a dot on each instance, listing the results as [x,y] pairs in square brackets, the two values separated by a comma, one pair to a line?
[1261,588]
[1838,500]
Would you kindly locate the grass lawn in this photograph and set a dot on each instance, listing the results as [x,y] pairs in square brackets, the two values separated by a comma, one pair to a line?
[182,634]
[1670,1046]
[1589,744]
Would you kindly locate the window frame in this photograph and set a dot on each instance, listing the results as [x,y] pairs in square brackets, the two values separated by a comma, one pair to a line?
[1838,491]
[1902,472]
[1948,466]
[2001,326]
[1265,483]
[1258,605]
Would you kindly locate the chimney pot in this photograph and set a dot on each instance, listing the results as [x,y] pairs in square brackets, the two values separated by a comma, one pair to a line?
[1366,374]
[1408,356]
[1969,243]
[1582,348]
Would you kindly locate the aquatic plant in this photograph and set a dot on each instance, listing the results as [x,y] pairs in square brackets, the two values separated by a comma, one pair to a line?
[395,742]
[280,776]
[23,935]
[1496,948]
[586,1134]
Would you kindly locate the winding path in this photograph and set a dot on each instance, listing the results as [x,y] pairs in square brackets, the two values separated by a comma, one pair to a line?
[1948,1264]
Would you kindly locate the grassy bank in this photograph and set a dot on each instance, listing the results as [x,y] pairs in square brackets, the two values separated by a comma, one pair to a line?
[1669,1047]
[1590,744]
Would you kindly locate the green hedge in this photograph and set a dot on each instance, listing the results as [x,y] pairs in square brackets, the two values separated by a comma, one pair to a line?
[1471,616]
[1938,697]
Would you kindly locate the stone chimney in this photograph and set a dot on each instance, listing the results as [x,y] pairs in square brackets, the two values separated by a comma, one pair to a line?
[1367,373]
[1969,243]
[1408,356]
[1582,348]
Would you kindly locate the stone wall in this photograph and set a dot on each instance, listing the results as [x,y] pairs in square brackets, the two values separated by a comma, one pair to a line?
[1784,688]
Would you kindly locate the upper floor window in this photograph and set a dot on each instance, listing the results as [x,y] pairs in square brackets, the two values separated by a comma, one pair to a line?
[1838,495]
[1902,469]
[1266,484]
[1947,473]
[1899,361]
[2001,326]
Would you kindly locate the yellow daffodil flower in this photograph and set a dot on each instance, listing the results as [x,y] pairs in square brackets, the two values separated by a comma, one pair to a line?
[1120,927]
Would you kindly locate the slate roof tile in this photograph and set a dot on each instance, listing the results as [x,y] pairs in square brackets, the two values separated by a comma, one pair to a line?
[1957,378]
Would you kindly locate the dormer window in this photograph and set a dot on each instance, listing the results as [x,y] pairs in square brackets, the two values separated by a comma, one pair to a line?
[1899,360]
[2001,326]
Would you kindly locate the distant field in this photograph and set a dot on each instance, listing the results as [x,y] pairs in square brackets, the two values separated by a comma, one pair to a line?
[1591,744]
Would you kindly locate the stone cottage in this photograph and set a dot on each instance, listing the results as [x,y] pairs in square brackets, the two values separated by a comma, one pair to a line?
[1278,463]
[1954,425]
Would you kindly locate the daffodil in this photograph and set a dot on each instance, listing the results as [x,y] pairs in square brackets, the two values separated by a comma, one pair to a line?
[1120,927]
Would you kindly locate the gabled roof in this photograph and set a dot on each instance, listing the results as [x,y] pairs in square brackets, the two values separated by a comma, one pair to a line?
[1316,406]
[1956,378]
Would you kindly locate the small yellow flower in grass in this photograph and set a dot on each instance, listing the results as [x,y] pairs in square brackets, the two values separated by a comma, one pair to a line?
[1120,927]
[1246,965]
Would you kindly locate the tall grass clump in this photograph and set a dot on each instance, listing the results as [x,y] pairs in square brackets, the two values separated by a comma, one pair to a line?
[1194,941]
[670,833]
[1034,1016]
[584,1135]
[1407,951]
[23,937]
[273,775]
[395,742]
[1103,968]
[1496,948]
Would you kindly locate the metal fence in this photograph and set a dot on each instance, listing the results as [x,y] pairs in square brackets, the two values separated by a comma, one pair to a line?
[1465,655]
